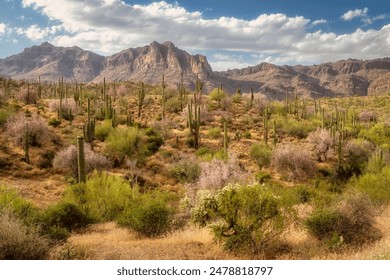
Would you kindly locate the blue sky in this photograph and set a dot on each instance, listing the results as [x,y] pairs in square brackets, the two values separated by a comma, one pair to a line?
[232,34]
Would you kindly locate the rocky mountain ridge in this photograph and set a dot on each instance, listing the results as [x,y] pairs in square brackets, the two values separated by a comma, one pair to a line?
[149,63]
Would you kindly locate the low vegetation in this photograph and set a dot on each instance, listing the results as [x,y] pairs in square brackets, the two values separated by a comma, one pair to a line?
[154,162]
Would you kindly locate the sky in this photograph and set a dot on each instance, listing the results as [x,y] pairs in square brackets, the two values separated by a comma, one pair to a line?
[232,34]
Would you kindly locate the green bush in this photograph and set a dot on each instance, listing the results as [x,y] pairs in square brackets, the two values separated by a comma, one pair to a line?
[59,220]
[186,170]
[149,216]
[379,134]
[5,113]
[261,153]
[102,198]
[173,105]
[216,94]
[103,129]
[125,141]
[153,141]
[54,122]
[262,177]
[214,133]
[22,209]
[375,185]
[244,218]
[358,152]
[350,220]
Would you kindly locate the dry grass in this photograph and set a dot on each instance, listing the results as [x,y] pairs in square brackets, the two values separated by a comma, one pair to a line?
[108,241]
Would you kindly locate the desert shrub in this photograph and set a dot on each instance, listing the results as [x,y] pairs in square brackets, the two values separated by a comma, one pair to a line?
[261,152]
[102,198]
[59,220]
[351,220]
[148,214]
[216,94]
[173,105]
[186,170]
[163,128]
[294,162]
[244,218]
[217,173]
[54,122]
[37,127]
[375,185]
[292,127]
[5,113]
[358,152]
[20,242]
[125,142]
[153,140]
[322,143]
[103,129]
[67,160]
[379,134]
[11,201]
[68,106]
[27,95]
[367,116]
[262,177]
[214,133]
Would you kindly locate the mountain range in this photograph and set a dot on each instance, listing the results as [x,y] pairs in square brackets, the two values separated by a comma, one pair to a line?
[151,62]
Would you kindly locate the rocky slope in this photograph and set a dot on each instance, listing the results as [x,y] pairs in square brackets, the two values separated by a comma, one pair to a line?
[149,63]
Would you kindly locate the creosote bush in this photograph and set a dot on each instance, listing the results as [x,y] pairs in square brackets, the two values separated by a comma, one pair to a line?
[358,152]
[244,218]
[261,153]
[125,142]
[27,95]
[148,214]
[351,220]
[293,161]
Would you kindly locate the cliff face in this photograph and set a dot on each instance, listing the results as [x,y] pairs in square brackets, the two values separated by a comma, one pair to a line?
[150,63]
[342,78]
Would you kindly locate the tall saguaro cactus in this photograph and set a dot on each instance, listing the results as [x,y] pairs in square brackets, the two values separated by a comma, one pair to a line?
[82,178]
[141,98]
[89,128]
[194,122]
[26,144]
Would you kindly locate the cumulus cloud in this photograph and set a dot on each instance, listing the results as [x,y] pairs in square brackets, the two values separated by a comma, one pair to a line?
[108,26]
[318,22]
[36,33]
[357,13]
[2,28]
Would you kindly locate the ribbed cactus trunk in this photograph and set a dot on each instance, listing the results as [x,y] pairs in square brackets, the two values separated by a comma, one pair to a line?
[82,178]
[252,97]
[225,138]
[26,144]
[265,124]
[163,86]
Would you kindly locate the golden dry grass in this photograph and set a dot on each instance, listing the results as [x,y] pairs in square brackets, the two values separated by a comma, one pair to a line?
[108,241]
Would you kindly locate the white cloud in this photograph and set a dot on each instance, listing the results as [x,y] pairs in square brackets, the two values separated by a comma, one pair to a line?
[2,28]
[108,26]
[354,14]
[36,33]
[318,22]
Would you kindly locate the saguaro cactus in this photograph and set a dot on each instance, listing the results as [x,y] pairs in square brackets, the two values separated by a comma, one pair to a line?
[81,160]
[26,144]
[141,98]
[89,128]
[194,122]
